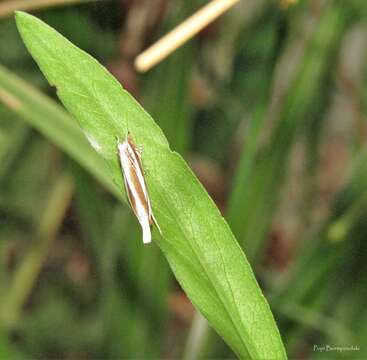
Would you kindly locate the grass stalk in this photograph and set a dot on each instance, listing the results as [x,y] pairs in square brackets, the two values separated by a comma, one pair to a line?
[28,270]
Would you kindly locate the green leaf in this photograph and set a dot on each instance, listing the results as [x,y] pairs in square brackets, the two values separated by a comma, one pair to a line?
[198,244]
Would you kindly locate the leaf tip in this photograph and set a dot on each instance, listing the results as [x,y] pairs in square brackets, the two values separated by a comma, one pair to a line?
[19,15]
[21,19]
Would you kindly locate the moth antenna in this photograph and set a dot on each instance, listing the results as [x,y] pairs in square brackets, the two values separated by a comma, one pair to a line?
[156,224]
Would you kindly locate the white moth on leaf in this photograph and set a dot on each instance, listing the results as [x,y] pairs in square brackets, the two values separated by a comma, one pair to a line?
[136,188]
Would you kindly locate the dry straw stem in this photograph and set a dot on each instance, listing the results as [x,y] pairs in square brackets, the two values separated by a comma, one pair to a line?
[287,3]
[182,33]
[7,8]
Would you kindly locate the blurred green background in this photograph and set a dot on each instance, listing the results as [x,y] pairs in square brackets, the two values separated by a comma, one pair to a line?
[268,106]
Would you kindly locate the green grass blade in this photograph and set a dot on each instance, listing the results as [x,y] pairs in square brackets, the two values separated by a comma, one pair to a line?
[30,267]
[53,122]
[197,242]
[257,185]
[12,137]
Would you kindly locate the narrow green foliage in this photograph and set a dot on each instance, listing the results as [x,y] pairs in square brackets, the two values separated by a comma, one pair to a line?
[172,109]
[197,242]
[12,138]
[53,122]
[257,184]
[323,268]
[170,82]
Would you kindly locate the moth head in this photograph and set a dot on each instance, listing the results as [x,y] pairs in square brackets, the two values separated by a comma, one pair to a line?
[121,146]
[129,137]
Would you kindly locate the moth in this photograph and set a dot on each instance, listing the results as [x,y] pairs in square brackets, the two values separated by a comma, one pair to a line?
[135,185]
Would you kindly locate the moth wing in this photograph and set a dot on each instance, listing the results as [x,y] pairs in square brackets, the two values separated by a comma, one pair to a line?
[130,197]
